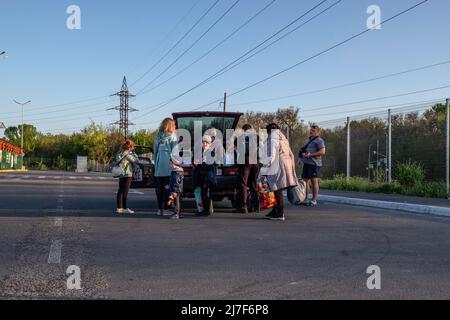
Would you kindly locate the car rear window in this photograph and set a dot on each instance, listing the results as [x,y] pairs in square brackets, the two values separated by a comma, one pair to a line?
[220,123]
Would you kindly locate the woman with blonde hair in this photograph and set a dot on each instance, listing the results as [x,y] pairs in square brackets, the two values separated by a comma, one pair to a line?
[126,158]
[164,143]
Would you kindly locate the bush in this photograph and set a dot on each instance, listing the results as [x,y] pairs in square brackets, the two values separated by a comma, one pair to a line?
[423,189]
[410,174]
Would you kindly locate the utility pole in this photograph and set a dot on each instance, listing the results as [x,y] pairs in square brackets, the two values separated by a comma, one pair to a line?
[124,108]
[348,148]
[447,147]
[368,168]
[389,162]
[21,135]
[225,102]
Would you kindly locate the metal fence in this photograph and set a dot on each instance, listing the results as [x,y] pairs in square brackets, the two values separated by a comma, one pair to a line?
[373,145]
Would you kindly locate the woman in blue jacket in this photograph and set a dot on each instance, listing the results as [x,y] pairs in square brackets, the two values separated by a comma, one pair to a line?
[164,143]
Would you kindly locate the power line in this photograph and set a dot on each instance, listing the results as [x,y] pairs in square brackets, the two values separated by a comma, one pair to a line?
[177,43]
[62,104]
[314,109]
[213,48]
[320,53]
[168,34]
[190,47]
[409,104]
[325,51]
[349,84]
[163,104]
[412,107]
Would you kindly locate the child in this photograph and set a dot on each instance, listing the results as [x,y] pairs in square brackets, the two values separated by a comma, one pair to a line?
[176,183]
[205,177]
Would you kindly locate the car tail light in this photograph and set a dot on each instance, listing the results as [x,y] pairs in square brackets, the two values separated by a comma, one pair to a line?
[231,171]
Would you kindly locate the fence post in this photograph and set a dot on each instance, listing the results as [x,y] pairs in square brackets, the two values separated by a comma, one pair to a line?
[447,147]
[389,146]
[348,148]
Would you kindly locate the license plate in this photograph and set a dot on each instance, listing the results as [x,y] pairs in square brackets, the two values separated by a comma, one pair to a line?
[137,175]
[219,172]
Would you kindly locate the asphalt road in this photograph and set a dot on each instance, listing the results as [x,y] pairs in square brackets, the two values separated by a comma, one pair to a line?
[50,221]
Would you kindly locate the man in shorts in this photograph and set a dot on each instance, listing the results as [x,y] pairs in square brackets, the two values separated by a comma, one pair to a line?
[311,155]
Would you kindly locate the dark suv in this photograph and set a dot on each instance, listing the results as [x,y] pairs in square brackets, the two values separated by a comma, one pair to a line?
[226,173]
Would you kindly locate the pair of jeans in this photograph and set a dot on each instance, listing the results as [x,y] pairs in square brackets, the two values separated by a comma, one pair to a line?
[122,193]
[248,173]
[162,191]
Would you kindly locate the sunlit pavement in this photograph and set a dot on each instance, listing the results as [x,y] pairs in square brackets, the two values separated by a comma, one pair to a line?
[48,224]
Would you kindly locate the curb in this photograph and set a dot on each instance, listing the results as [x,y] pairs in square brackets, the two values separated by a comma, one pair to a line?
[12,170]
[408,207]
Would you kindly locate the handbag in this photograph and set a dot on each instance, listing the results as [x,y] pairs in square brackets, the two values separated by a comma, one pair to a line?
[116,169]
[296,195]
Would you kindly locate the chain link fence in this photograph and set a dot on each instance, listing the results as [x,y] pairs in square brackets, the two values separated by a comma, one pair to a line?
[377,146]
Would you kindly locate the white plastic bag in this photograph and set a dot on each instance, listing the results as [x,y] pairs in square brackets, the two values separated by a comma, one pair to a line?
[297,195]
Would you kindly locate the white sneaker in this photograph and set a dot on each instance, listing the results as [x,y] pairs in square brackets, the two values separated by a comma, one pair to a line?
[119,210]
[313,203]
[167,213]
[159,213]
[128,211]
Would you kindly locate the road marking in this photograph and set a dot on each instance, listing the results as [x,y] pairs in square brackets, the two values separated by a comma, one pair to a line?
[60,200]
[54,255]
[58,221]
[41,177]
[135,192]
[72,178]
[88,178]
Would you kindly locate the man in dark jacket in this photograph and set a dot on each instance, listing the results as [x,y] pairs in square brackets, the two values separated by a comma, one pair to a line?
[248,170]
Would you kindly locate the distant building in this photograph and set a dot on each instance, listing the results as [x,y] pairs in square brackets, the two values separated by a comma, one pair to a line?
[9,156]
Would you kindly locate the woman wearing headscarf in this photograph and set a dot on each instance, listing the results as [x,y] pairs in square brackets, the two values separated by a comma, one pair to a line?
[279,167]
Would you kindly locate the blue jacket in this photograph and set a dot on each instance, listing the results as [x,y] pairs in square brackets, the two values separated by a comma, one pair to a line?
[162,148]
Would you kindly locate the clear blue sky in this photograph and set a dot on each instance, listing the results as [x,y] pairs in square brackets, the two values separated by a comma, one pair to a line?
[52,65]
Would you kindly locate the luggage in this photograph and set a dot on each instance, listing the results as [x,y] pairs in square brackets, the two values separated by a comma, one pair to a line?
[297,195]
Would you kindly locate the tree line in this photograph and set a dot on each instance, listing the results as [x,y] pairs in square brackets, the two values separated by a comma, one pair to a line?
[419,137]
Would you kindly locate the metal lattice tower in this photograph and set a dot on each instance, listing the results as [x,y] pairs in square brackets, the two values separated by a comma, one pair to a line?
[124,108]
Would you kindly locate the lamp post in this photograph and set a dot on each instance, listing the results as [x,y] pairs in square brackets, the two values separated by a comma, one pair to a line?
[21,136]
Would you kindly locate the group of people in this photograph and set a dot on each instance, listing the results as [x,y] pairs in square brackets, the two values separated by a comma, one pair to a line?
[278,166]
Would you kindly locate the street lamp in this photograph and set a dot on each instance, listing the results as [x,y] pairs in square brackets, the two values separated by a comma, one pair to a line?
[21,136]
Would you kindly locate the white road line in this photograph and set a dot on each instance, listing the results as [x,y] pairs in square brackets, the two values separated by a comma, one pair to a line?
[41,177]
[88,178]
[58,221]
[54,255]
[72,178]
[132,191]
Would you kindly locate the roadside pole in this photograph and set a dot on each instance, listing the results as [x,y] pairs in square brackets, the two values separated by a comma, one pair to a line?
[348,148]
[447,147]
[225,102]
[389,146]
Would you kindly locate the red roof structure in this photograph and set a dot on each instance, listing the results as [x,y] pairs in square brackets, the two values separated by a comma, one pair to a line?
[6,146]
